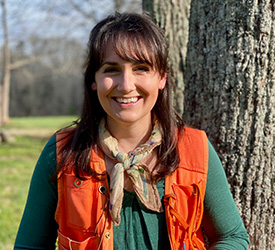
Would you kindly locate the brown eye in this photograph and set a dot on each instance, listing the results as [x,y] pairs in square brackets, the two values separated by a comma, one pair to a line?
[111,70]
[142,68]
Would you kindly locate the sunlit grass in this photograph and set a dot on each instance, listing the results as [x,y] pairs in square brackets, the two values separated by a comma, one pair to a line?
[43,122]
[17,161]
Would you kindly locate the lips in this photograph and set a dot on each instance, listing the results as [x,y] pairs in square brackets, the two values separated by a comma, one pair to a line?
[126,100]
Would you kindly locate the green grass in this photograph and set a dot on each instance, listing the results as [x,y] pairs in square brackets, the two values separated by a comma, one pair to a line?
[53,122]
[17,161]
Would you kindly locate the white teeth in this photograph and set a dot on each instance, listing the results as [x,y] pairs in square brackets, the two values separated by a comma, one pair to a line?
[127,100]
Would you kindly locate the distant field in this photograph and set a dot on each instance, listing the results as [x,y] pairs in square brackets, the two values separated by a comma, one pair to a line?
[17,161]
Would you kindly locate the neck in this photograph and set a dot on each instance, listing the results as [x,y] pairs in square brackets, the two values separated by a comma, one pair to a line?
[130,135]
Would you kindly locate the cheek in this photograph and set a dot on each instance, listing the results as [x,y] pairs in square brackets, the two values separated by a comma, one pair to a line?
[101,81]
[104,87]
[151,88]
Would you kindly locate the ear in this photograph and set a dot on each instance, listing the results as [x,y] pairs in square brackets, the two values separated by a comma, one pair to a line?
[93,86]
[162,82]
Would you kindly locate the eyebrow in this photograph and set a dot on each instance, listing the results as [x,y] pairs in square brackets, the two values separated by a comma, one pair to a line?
[109,63]
[116,64]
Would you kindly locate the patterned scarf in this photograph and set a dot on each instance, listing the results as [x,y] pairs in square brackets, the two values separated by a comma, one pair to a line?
[137,171]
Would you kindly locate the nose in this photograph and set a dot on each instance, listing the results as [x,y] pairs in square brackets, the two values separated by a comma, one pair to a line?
[126,82]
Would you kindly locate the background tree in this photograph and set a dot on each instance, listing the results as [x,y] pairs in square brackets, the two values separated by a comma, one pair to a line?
[8,66]
[173,17]
[229,76]
[5,83]
[52,85]
[45,51]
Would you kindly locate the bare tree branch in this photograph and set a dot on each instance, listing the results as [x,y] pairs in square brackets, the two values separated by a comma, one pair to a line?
[24,62]
[90,16]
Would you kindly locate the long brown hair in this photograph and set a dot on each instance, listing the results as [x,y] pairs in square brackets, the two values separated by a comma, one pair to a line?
[135,37]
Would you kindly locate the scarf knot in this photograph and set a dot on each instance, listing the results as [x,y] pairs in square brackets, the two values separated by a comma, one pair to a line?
[132,165]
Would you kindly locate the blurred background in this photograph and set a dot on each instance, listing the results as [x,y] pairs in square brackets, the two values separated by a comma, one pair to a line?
[43,49]
[47,42]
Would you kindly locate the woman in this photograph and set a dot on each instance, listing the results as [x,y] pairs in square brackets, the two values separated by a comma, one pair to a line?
[129,175]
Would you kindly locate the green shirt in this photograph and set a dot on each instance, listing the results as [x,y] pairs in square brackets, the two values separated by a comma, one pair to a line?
[139,228]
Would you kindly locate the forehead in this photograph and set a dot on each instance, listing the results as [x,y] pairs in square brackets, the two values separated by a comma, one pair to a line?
[109,53]
[127,49]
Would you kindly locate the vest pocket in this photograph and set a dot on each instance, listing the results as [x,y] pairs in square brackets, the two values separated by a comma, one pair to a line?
[80,201]
[189,206]
[65,243]
[188,203]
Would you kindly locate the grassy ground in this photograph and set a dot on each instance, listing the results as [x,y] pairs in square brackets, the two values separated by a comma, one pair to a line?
[17,161]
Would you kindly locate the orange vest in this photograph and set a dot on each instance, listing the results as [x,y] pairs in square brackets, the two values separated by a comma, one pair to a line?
[82,209]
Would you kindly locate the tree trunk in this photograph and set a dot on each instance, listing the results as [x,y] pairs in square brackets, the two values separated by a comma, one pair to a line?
[173,16]
[1,100]
[229,92]
[8,67]
[5,90]
[229,77]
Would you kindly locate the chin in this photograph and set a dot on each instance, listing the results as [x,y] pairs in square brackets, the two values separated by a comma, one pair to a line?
[131,119]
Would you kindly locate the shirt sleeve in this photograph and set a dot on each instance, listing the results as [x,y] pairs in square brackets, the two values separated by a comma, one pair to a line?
[221,222]
[38,228]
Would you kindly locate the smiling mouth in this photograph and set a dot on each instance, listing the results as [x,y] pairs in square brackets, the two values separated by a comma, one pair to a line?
[126,100]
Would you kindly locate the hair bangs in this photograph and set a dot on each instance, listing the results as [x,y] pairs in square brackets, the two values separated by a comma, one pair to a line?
[133,47]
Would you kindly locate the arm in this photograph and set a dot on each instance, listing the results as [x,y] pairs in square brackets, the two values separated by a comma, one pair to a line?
[221,222]
[38,229]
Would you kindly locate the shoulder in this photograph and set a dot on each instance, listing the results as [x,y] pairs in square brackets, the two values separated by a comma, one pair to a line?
[63,137]
[50,147]
[193,149]
[65,133]
[193,165]
[46,163]
[188,135]
[188,132]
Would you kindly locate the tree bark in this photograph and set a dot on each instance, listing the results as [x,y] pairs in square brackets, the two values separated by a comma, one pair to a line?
[229,76]
[173,16]
[1,104]
[5,90]
[229,92]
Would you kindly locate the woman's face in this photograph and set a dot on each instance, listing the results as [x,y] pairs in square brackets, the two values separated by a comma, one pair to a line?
[127,90]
